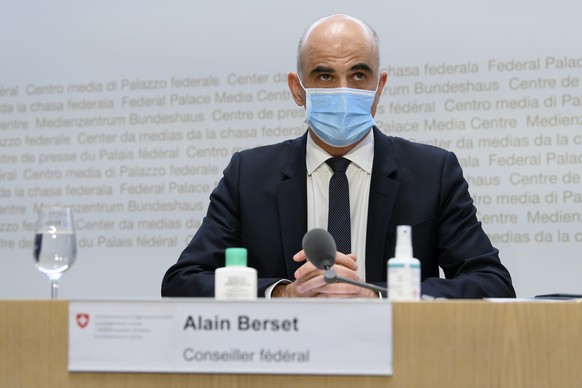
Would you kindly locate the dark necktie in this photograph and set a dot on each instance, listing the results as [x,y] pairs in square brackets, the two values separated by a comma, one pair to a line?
[338,223]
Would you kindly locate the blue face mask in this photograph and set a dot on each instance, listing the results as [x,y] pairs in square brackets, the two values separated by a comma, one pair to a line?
[339,116]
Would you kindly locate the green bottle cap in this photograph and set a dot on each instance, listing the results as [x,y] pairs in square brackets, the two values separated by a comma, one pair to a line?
[236,257]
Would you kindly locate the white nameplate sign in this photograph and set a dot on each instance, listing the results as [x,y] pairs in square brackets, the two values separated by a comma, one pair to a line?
[337,337]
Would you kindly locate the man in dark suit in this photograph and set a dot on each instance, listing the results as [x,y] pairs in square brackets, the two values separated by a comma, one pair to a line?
[270,196]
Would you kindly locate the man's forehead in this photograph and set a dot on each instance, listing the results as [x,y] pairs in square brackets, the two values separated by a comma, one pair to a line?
[339,35]
[336,24]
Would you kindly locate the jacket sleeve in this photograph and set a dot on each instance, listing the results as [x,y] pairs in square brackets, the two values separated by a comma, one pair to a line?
[470,263]
[193,273]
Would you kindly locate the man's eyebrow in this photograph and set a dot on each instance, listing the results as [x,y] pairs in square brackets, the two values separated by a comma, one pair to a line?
[358,66]
[362,66]
[322,69]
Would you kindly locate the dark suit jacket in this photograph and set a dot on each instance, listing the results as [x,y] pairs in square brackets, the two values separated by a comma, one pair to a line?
[261,204]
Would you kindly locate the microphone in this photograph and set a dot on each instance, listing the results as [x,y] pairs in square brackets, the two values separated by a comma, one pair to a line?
[320,249]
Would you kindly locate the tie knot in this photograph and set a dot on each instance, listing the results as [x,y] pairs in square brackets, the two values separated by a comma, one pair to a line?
[338,164]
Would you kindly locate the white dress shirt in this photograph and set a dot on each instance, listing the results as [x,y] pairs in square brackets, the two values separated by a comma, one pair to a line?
[359,173]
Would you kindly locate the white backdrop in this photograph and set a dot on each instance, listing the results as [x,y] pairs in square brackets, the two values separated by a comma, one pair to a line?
[129,110]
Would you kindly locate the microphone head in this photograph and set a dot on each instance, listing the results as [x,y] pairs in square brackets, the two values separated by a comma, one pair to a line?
[320,248]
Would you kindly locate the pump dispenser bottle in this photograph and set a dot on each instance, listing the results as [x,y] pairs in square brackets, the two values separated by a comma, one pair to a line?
[403,269]
[236,281]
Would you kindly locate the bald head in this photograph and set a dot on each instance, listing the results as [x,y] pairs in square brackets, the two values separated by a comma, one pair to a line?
[333,32]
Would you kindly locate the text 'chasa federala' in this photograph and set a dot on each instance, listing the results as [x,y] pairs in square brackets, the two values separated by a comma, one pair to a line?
[241,323]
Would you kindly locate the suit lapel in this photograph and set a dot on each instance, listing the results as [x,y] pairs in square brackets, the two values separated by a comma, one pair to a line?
[292,202]
[383,190]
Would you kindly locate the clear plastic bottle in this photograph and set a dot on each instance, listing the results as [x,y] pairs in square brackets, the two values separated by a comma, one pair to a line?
[403,269]
[236,281]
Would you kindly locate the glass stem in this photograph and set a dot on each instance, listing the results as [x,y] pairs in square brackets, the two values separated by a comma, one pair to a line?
[54,282]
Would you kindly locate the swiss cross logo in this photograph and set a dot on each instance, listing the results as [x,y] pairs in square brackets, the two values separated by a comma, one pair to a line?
[82,320]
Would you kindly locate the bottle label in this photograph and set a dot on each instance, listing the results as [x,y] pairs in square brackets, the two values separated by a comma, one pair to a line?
[403,281]
[235,286]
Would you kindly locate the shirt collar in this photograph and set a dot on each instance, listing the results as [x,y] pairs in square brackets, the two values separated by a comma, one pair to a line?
[361,155]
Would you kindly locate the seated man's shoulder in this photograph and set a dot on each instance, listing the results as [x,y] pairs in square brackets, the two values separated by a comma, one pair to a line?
[276,151]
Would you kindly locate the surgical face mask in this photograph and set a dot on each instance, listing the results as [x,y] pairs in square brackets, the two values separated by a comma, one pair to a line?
[339,116]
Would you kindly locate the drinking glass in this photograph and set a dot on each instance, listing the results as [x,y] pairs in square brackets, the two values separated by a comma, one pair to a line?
[55,244]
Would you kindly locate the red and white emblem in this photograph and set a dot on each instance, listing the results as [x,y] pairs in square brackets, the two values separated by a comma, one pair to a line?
[82,320]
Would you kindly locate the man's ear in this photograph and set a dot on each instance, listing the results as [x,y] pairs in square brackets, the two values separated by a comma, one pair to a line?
[381,83]
[296,89]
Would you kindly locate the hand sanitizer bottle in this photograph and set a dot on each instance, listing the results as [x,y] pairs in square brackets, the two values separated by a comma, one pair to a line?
[235,281]
[403,269]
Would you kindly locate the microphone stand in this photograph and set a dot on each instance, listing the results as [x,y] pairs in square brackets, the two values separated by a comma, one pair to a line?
[331,277]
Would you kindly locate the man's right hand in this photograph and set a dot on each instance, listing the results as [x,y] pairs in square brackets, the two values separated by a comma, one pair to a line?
[310,283]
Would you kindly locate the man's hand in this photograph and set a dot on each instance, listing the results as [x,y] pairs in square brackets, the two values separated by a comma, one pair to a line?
[309,281]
